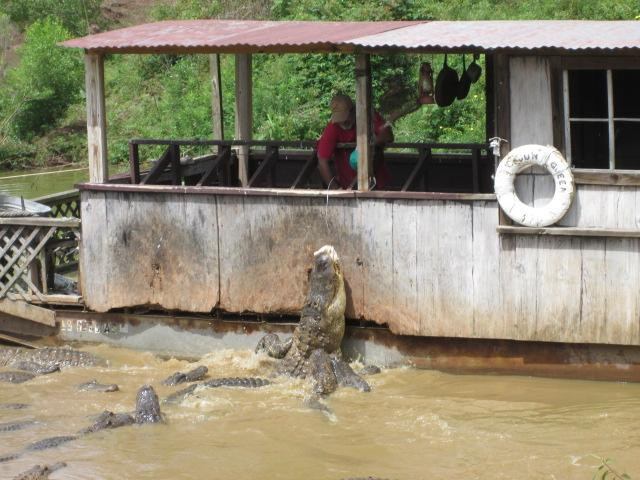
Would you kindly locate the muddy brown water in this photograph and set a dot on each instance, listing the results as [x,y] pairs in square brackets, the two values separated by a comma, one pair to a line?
[415,424]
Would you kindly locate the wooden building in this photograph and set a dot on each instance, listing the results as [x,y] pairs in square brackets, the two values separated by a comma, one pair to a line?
[235,230]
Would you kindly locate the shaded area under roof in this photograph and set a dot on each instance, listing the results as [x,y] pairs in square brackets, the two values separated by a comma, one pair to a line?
[252,36]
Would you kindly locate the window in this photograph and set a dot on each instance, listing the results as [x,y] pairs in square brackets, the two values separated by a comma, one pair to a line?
[602,118]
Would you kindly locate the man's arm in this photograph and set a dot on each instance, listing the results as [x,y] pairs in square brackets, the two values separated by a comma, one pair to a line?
[384,135]
[325,172]
[325,149]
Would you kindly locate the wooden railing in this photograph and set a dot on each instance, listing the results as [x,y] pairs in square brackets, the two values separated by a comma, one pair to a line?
[63,204]
[27,257]
[269,157]
[62,250]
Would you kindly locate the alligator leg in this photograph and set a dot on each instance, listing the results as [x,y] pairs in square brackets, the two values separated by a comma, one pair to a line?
[346,376]
[273,346]
[320,369]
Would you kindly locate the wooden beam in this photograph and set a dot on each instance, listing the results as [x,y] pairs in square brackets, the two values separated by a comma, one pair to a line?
[17,341]
[96,118]
[592,176]
[159,167]
[307,169]
[25,310]
[216,97]
[134,163]
[243,113]
[419,169]
[67,222]
[224,154]
[266,165]
[283,192]
[502,99]
[570,231]
[364,118]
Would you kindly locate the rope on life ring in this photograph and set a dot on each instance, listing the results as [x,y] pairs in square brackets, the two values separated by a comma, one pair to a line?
[524,157]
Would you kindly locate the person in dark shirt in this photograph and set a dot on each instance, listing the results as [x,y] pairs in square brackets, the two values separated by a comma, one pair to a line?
[342,129]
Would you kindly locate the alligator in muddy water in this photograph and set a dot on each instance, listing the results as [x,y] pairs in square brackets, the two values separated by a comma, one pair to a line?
[61,357]
[42,361]
[194,375]
[314,349]
[15,426]
[243,382]
[49,442]
[147,411]
[13,406]
[16,377]
[94,386]
[39,472]
[33,367]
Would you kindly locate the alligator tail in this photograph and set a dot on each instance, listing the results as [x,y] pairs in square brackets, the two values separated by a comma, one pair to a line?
[242,382]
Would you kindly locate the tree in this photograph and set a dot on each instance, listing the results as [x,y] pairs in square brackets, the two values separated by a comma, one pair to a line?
[47,80]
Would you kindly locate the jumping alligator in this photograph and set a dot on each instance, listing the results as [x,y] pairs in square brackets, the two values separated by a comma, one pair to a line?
[147,411]
[42,361]
[314,349]
[40,472]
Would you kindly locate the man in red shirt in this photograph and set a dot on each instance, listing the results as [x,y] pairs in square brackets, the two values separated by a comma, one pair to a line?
[342,129]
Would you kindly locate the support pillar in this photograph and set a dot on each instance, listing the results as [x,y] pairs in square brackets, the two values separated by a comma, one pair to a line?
[96,118]
[243,112]
[216,97]
[364,121]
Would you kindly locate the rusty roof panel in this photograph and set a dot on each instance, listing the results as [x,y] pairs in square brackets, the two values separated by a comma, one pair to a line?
[531,35]
[298,36]
[249,35]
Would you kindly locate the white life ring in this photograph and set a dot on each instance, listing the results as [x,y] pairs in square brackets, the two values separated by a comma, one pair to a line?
[521,158]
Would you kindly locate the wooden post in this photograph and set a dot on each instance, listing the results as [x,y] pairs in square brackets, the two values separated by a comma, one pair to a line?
[96,119]
[364,117]
[243,113]
[216,97]
[134,163]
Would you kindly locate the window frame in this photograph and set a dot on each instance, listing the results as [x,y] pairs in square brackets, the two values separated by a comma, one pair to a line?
[607,64]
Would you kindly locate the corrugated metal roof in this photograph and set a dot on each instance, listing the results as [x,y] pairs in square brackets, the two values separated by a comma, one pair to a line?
[232,36]
[530,35]
[252,36]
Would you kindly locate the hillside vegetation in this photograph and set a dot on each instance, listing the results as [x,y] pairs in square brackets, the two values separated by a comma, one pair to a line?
[42,112]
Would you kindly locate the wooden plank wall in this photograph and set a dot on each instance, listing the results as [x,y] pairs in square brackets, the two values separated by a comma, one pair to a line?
[424,267]
[531,122]
[149,250]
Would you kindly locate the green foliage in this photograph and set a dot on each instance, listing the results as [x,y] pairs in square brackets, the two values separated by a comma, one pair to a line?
[74,15]
[195,9]
[47,80]
[16,154]
[169,95]
[6,37]
[606,471]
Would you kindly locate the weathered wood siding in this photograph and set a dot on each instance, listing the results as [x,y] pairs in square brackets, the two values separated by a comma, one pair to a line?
[152,249]
[424,267]
[530,100]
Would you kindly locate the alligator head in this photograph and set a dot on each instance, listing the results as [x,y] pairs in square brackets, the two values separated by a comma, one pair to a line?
[148,406]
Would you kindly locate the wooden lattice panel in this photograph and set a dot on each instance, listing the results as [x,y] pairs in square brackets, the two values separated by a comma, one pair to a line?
[30,251]
[66,209]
